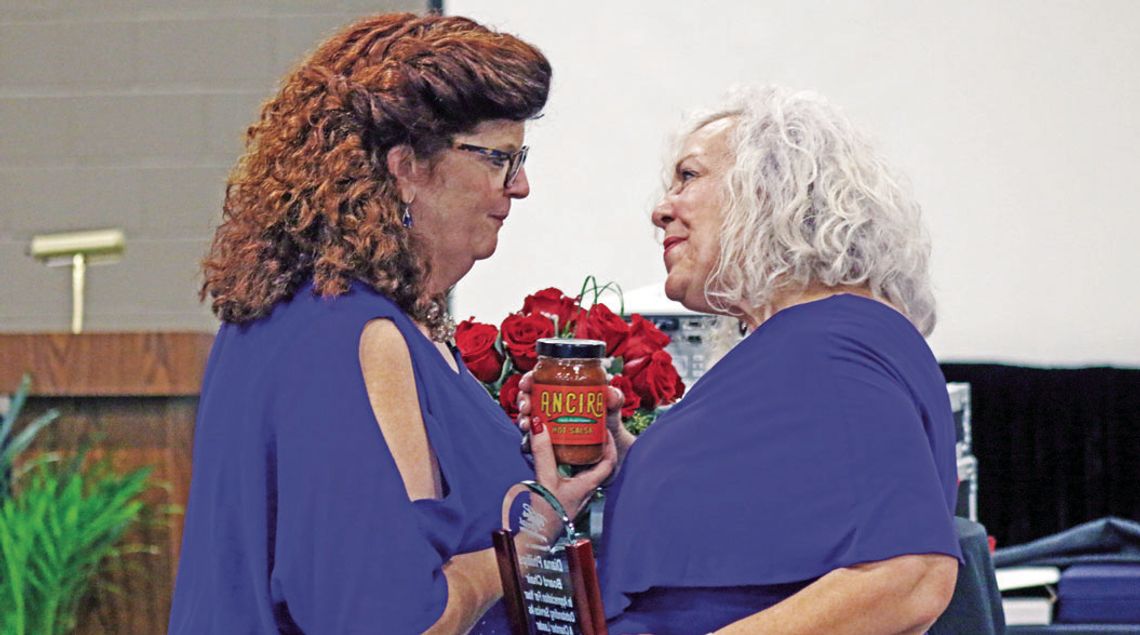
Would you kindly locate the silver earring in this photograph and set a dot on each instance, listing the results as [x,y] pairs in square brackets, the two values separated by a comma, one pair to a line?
[407,214]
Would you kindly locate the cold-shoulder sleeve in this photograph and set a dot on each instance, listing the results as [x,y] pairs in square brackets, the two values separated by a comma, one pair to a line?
[351,553]
[298,519]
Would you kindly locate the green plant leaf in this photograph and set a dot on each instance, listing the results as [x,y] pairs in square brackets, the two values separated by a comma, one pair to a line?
[617,364]
[11,447]
[64,524]
[14,408]
[640,420]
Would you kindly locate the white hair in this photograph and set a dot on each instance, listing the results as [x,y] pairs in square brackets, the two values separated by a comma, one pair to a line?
[810,202]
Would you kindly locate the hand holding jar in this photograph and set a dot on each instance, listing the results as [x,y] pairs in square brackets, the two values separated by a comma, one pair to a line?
[573,367]
[566,406]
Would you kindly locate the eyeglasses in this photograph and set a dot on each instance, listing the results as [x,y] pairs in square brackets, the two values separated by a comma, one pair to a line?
[513,160]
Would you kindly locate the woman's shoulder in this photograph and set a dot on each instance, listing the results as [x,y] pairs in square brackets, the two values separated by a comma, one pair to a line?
[308,315]
[309,330]
[857,341]
[842,326]
[837,314]
[358,299]
[843,337]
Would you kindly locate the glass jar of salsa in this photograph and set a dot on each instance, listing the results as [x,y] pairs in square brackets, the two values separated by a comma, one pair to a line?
[569,398]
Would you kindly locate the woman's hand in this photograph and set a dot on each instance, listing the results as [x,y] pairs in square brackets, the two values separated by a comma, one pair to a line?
[572,492]
[621,438]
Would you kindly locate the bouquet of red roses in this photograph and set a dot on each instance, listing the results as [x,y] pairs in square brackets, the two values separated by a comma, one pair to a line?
[636,358]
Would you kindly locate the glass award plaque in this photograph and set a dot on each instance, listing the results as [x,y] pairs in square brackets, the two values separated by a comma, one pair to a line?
[550,584]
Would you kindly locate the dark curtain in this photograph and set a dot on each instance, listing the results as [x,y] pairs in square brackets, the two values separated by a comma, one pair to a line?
[1055,447]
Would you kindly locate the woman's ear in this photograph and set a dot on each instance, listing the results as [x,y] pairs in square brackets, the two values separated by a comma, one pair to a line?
[407,171]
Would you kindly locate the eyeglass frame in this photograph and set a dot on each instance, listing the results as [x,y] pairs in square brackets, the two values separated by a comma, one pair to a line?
[515,160]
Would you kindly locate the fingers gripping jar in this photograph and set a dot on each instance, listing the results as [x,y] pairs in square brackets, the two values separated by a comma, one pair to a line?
[569,398]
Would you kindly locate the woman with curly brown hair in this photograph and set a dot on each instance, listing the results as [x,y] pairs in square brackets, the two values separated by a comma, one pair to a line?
[348,470]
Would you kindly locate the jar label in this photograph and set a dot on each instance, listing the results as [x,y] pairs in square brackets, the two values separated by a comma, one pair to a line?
[575,415]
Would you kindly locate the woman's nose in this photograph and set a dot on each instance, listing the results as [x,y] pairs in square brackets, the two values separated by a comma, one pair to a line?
[662,214]
[521,186]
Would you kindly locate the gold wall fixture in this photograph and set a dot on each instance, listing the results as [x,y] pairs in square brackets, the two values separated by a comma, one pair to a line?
[78,249]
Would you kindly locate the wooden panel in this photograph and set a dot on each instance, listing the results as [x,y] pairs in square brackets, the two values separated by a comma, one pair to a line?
[132,432]
[134,396]
[105,363]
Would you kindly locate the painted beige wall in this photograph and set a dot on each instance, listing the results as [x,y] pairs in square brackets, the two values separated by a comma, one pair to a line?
[124,113]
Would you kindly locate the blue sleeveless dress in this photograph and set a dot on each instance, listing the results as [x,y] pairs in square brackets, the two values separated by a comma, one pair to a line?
[823,440]
[298,520]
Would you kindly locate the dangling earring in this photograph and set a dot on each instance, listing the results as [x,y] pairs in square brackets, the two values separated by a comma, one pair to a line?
[407,214]
[406,211]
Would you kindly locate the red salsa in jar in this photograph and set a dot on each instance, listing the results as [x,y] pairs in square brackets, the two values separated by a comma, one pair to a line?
[569,398]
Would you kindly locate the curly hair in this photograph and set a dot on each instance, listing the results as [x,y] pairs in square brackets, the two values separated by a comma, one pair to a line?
[810,201]
[312,196]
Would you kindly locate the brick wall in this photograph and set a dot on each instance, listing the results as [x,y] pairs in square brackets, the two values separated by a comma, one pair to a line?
[125,113]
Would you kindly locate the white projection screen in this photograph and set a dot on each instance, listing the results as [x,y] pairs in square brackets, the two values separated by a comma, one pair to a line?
[1015,121]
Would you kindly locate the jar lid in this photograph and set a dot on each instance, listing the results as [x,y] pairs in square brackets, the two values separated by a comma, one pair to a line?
[570,348]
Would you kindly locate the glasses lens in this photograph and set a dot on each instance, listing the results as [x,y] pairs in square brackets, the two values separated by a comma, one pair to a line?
[516,164]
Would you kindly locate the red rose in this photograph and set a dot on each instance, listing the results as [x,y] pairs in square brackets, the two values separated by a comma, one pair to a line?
[600,323]
[679,387]
[509,395]
[520,332]
[553,304]
[655,380]
[476,344]
[644,338]
[632,400]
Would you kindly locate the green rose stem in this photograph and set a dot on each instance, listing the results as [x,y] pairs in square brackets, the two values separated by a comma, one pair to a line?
[591,283]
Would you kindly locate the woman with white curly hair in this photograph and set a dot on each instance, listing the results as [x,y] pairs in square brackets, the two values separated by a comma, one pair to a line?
[806,484]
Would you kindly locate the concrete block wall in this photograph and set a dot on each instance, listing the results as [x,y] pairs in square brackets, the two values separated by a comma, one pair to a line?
[130,113]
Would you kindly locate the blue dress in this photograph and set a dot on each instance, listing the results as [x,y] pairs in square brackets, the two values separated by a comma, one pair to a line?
[823,440]
[298,520]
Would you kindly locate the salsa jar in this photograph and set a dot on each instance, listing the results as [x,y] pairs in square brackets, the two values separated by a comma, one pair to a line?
[569,398]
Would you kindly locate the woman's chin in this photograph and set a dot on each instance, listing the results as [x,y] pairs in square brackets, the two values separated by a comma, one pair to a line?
[675,289]
[487,250]
[679,290]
